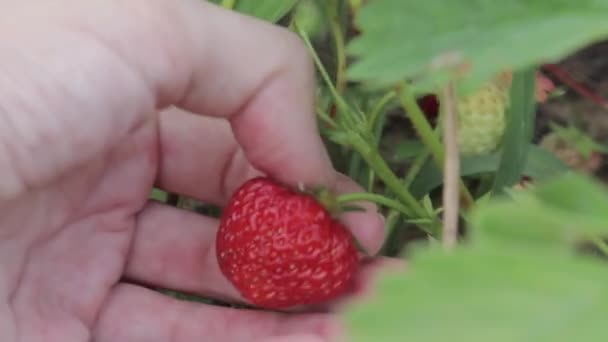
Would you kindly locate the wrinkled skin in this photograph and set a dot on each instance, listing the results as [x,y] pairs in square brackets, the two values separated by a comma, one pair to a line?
[89,122]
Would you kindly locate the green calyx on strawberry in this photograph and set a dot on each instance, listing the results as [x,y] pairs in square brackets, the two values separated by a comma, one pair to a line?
[282,248]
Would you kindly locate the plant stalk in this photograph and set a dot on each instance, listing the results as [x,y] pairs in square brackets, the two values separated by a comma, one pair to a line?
[428,137]
[451,170]
[336,30]
[383,171]
[375,198]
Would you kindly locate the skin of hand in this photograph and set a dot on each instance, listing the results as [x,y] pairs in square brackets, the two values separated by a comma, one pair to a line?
[101,100]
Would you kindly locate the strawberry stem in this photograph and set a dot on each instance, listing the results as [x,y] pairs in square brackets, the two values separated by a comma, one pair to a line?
[421,124]
[340,103]
[336,30]
[355,132]
[327,198]
[375,198]
[325,117]
[377,110]
[379,165]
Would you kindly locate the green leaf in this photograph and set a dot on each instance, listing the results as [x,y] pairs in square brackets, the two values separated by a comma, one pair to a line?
[528,222]
[540,164]
[269,10]
[424,40]
[576,193]
[519,131]
[563,211]
[486,293]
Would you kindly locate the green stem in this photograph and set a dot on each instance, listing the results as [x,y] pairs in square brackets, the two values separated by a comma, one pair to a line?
[340,103]
[368,152]
[416,167]
[383,171]
[377,110]
[371,179]
[229,4]
[428,136]
[325,117]
[392,219]
[419,163]
[340,50]
[354,167]
[421,124]
[375,198]
[378,164]
[375,125]
[600,244]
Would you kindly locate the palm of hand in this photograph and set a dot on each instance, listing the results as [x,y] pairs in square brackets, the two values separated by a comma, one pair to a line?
[66,284]
[75,242]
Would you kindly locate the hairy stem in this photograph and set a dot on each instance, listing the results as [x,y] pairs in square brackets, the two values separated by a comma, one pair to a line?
[375,125]
[336,30]
[383,171]
[377,110]
[416,167]
[326,117]
[367,150]
[421,124]
[375,198]
[341,105]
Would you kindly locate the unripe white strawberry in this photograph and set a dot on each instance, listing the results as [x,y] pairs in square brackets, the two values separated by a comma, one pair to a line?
[482,117]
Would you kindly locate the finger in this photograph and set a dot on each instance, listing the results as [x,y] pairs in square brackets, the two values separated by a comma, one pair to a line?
[189,53]
[136,314]
[270,106]
[200,157]
[175,249]
[367,226]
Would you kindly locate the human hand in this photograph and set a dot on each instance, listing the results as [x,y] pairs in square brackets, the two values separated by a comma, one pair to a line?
[88,98]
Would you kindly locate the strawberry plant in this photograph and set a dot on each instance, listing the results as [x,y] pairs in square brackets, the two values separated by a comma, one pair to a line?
[431,106]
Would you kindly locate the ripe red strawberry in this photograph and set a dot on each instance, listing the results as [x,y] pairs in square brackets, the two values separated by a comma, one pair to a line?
[282,248]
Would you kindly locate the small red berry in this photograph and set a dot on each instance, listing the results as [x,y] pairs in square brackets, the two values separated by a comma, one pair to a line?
[281,248]
[430,107]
